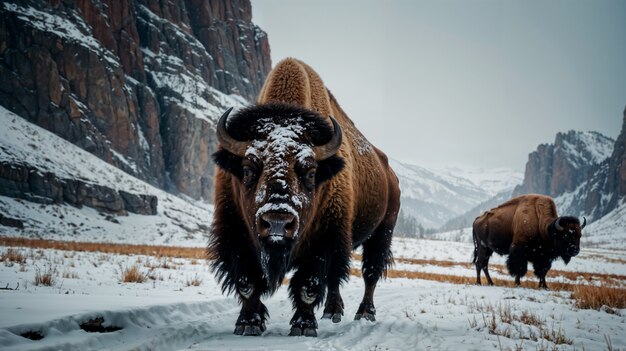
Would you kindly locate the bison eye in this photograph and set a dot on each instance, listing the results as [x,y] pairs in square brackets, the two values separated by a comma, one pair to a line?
[309,179]
[249,175]
[248,172]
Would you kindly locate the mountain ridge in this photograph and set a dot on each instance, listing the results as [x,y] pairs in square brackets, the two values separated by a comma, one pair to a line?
[434,196]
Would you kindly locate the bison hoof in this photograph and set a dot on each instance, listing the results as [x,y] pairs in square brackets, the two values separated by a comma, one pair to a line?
[296,331]
[335,317]
[303,323]
[366,316]
[366,311]
[252,330]
[250,326]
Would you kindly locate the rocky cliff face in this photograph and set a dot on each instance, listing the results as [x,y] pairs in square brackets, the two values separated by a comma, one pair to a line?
[616,173]
[29,183]
[138,83]
[584,172]
[554,169]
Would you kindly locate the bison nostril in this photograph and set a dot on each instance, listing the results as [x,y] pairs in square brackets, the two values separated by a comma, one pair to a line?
[264,224]
[291,225]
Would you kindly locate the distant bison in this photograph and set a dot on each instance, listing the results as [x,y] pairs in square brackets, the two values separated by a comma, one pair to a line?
[297,190]
[527,229]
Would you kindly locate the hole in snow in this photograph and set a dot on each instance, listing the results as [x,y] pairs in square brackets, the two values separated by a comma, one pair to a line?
[32,335]
[95,326]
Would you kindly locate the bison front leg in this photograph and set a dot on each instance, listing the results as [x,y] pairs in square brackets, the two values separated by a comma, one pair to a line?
[306,289]
[333,309]
[541,268]
[338,271]
[253,313]
[376,258]
[517,262]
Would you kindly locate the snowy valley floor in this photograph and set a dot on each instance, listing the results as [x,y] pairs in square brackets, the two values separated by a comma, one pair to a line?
[180,306]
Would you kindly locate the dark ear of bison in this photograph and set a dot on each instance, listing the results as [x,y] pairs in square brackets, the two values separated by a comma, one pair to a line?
[228,162]
[328,168]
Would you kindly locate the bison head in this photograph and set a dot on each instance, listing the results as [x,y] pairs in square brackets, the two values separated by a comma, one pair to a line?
[566,233]
[279,156]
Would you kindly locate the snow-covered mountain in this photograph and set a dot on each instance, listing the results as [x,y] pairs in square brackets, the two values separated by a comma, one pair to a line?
[435,196]
[23,144]
[573,170]
[492,181]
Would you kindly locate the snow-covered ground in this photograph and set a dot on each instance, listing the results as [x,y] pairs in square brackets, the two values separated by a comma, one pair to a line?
[178,222]
[610,230]
[169,312]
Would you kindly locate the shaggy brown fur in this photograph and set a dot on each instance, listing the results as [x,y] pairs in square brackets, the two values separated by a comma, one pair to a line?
[525,229]
[356,203]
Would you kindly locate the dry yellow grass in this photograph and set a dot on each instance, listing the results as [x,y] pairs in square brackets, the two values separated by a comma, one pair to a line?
[46,278]
[612,279]
[595,297]
[455,279]
[530,318]
[124,249]
[12,255]
[133,275]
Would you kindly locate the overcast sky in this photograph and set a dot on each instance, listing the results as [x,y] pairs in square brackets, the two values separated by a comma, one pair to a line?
[461,83]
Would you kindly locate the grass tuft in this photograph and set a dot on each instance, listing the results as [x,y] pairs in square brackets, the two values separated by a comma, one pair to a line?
[195,281]
[133,275]
[12,256]
[529,318]
[45,278]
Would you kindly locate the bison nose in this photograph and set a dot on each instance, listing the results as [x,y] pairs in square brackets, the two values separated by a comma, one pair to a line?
[277,226]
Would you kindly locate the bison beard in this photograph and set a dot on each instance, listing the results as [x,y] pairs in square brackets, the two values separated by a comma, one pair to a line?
[275,261]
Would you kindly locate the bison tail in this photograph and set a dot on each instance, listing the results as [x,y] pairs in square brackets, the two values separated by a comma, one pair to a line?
[475,246]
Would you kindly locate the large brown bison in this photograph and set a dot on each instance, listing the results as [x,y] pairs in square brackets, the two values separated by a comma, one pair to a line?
[528,229]
[298,187]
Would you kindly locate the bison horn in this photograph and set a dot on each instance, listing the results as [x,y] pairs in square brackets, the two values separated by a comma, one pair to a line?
[227,142]
[329,149]
[557,225]
[584,223]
